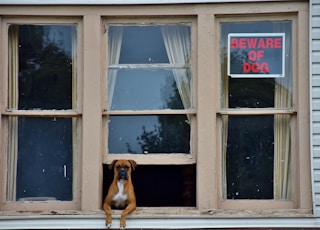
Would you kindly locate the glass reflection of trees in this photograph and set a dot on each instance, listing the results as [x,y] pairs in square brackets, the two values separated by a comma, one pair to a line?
[45,82]
[171,135]
[45,70]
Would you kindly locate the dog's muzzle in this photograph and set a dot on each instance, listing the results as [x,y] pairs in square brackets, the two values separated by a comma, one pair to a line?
[122,174]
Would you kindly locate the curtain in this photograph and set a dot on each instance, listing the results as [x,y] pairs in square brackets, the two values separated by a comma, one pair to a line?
[224,120]
[74,46]
[178,46]
[115,41]
[283,99]
[13,104]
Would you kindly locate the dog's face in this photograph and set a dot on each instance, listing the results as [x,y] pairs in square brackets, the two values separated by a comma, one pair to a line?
[123,168]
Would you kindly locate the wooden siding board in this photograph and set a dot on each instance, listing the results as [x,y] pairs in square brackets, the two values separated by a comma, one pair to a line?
[315,87]
[315,9]
[315,21]
[316,92]
[316,127]
[316,42]
[317,177]
[315,57]
[317,198]
[316,165]
[316,68]
[316,81]
[316,104]
[316,33]
[316,118]
[316,139]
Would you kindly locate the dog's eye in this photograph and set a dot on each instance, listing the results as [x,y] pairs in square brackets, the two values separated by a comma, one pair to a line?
[118,167]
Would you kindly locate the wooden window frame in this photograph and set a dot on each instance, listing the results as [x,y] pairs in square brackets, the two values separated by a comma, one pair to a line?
[153,159]
[299,116]
[70,113]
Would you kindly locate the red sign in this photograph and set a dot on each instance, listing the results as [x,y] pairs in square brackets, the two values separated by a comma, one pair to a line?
[256,55]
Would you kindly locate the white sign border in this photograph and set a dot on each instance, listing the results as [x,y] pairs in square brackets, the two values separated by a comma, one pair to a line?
[257,35]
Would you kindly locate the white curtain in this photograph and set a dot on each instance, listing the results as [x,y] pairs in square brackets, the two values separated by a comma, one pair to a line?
[115,41]
[178,46]
[224,118]
[283,100]
[13,104]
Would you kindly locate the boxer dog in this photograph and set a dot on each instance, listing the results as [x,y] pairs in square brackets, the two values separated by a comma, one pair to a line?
[121,192]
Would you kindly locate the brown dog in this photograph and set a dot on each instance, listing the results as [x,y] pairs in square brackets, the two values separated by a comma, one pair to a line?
[121,192]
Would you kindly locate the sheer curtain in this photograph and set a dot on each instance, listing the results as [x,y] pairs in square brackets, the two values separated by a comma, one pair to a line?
[283,99]
[282,188]
[13,104]
[178,45]
[224,120]
[115,41]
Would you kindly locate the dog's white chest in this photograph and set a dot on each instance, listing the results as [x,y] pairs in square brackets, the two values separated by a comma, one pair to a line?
[120,198]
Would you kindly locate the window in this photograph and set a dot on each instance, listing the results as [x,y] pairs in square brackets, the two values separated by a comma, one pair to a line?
[41,112]
[149,110]
[257,151]
[149,70]
[258,111]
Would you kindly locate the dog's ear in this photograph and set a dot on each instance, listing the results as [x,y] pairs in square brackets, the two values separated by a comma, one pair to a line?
[133,164]
[112,164]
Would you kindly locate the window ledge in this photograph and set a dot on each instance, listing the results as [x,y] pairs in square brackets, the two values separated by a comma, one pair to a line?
[166,212]
[160,218]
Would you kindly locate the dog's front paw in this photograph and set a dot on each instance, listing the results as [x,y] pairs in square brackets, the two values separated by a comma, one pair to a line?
[108,225]
[122,224]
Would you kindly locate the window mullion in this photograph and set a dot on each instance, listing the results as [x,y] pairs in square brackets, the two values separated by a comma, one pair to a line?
[149,112]
[253,111]
[148,66]
[42,113]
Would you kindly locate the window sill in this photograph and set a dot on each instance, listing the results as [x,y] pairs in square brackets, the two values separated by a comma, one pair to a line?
[160,218]
[166,212]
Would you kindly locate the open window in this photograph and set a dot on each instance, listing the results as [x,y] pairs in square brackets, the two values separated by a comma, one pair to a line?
[149,112]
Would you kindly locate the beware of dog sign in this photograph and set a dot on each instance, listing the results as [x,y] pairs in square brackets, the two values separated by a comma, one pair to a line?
[259,55]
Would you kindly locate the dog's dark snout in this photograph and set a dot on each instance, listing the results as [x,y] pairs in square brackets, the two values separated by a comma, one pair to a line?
[122,173]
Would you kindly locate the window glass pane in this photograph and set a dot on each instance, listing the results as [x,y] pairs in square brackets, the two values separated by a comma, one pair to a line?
[142,44]
[145,89]
[149,67]
[44,165]
[149,134]
[251,93]
[249,157]
[45,57]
